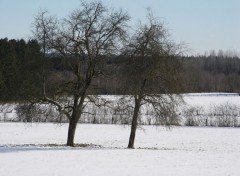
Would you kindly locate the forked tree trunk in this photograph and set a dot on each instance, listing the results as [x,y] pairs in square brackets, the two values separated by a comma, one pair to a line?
[76,115]
[134,124]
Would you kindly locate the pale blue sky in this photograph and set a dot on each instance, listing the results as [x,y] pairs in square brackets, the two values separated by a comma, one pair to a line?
[202,24]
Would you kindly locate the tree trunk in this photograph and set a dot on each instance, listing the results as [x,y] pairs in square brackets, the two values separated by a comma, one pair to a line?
[94,119]
[138,99]
[76,115]
[134,124]
[71,132]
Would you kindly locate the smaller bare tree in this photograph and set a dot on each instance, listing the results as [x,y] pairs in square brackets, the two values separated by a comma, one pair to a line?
[44,28]
[153,73]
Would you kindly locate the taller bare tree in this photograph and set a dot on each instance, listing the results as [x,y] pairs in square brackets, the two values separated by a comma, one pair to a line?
[153,73]
[84,39]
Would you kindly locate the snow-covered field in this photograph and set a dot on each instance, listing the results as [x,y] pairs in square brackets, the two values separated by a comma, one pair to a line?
[181,151]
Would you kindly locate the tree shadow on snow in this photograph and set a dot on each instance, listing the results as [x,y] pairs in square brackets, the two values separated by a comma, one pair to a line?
[44,147]
[61,147]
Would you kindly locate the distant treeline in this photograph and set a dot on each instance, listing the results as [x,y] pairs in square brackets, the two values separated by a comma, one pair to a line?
[21,67]
[213,73]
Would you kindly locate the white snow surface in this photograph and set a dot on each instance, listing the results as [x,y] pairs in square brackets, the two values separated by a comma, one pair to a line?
[179,151]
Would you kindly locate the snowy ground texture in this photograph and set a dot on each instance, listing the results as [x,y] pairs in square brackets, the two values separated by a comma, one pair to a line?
[181,151]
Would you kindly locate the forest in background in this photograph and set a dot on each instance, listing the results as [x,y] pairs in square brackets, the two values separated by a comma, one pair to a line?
[21,69]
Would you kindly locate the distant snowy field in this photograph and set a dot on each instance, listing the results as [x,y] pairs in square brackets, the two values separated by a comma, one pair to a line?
[181,151]
[199,109]
[207,100]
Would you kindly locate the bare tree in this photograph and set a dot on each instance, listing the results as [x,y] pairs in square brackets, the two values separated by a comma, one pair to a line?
[44,28]
[152,73]
[84,39]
